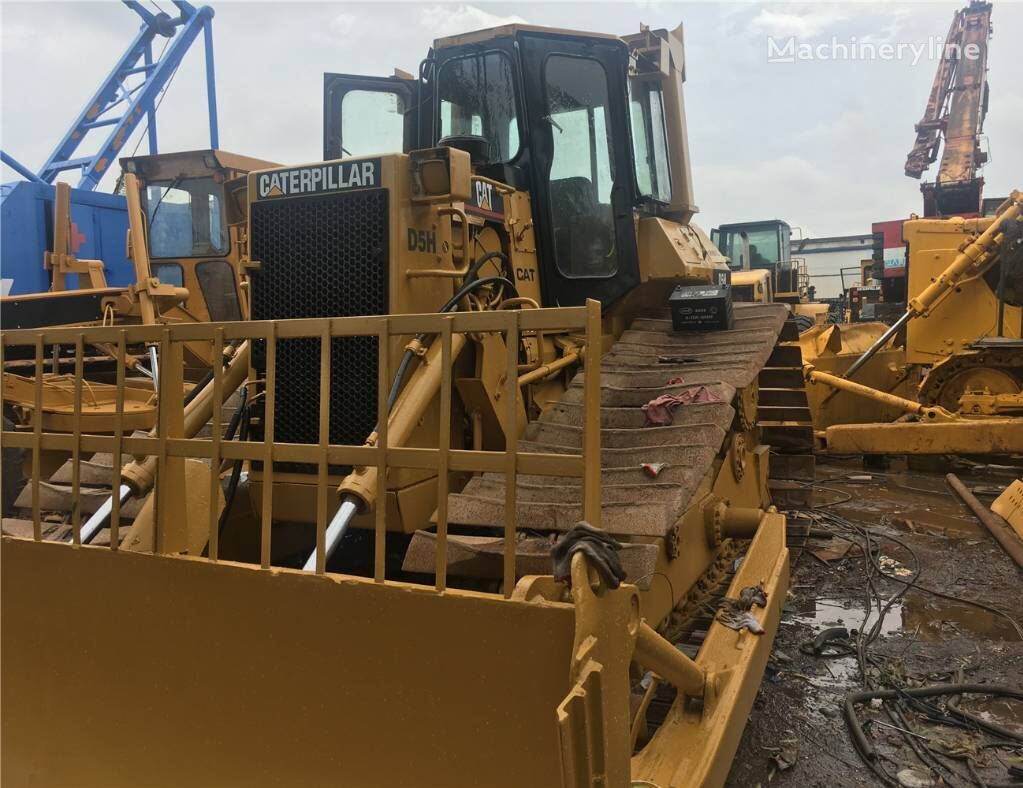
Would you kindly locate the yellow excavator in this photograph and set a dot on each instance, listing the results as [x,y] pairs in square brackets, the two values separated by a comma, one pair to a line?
[492,505]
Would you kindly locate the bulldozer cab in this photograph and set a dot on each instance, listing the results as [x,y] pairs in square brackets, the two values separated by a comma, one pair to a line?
[589,125]
[189,237]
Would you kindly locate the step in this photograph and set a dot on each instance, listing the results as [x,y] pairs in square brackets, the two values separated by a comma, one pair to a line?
[626,359]
[658,342]
[632,518]
[685,475]
[785,413]
[90,474]
[793,466]
[649,491]
[637,396]
[692,455]
[786,356]
[781,378]
[58,498]
[781,397]
[737,374]
[787,436]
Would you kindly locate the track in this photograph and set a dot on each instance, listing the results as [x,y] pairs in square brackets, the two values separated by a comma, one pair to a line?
[636,370]
[733,366]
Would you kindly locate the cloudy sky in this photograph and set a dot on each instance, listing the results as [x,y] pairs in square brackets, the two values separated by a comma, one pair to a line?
[820,143]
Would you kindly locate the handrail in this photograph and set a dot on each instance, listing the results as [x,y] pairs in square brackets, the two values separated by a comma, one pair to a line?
[171,446]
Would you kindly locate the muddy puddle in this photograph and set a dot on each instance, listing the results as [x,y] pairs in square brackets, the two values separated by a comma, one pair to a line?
[932,523]
[916,615]
[1000,711]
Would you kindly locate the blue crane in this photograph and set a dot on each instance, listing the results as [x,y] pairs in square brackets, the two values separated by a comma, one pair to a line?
[132,91]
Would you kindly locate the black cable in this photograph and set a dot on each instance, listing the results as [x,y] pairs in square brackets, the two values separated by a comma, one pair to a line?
[471,283]
[910,697]
[203,382]
[239,423]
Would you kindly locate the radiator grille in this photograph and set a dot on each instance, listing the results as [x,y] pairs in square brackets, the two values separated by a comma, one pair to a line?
[323,256]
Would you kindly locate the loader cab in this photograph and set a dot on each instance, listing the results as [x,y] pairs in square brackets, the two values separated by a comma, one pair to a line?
[766,245]
[751,245]
[579,121]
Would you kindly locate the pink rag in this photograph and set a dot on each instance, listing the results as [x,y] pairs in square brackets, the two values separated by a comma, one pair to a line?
[659,410]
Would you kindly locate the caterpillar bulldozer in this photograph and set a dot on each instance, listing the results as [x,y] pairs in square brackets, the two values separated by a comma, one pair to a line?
[184,244]
[184,241]
[947,376]
[493,505]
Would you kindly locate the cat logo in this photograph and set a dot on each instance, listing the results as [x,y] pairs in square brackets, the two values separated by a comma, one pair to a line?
[485,201]
[484,195]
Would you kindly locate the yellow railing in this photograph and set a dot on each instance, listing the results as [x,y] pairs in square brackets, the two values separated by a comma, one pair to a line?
[168,444]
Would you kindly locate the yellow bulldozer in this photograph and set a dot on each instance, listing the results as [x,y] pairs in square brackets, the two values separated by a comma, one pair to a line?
[947,376]
[492,505]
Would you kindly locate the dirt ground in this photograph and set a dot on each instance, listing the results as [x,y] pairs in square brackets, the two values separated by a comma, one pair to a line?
[796,734]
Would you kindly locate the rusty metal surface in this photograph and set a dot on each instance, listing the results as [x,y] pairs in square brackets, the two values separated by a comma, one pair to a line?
[635,371]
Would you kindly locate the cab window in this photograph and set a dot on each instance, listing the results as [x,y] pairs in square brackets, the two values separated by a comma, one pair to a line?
[186,218]
[169,274]
[763,248]
[217,282]
[743,293]
[582,170]
[372,122]
[477,97]
[649,137]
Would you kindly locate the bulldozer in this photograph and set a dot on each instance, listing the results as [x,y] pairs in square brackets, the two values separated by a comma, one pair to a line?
[495,510]
[184,244]
[947,376]
[184,241]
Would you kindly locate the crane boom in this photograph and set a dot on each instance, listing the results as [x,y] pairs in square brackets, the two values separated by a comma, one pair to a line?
[954,115]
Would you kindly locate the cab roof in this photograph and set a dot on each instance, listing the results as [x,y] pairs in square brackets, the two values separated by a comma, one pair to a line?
[193,161]
[508,31]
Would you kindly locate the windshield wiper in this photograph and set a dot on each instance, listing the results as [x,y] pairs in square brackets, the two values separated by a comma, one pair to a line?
[173,185]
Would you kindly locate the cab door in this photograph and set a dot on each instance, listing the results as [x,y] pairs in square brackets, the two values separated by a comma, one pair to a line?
[364,116]
[581,157]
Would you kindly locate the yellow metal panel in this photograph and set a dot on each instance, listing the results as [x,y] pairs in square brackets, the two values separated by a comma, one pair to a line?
[964,315]
[966,436]
[1009,505]
[220,675]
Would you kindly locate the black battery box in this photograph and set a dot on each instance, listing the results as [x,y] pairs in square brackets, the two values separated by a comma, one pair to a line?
[702,308]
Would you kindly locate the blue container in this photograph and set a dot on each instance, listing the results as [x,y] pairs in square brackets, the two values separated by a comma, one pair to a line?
[99,231]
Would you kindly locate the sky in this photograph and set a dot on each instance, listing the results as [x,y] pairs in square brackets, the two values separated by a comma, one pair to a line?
[819,142]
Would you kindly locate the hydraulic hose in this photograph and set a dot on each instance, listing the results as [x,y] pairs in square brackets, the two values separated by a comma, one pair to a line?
[240,419]
[137,475]
[863,745]
[350,504]
[471,283]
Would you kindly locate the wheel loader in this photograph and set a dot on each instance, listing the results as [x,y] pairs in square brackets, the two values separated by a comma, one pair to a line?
[756,249]
[495,510]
